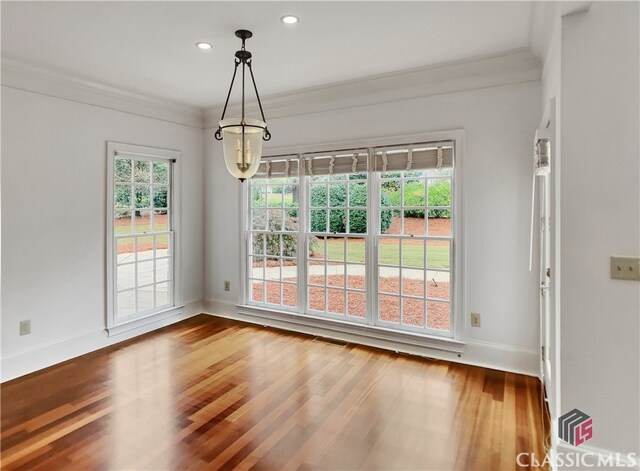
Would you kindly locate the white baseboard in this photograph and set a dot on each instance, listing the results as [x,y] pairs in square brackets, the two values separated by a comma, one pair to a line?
[588,457]
[51,354]
[483,354]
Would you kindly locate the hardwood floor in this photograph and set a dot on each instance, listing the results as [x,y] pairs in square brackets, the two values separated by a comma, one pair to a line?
[209,393]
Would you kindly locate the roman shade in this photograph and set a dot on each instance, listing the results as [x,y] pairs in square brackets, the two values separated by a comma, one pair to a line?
[414,157]
[336,163]
[278,167]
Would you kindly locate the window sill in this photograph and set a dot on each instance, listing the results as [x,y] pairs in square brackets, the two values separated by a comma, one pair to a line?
[359,330]
[143,321]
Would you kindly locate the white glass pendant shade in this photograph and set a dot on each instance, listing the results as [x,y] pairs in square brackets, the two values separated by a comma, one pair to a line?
[242,146]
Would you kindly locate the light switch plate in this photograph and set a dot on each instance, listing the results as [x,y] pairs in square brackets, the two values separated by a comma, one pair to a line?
[625,268]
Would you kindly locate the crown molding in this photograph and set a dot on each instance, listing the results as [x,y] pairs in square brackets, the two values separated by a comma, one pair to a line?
[22,76]
[508,68]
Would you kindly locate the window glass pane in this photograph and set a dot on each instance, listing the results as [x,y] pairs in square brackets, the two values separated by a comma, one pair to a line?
[122,170]
[160,220]
[122,196]
[291,220]
[163,294]
[438,285]
[126,303]
[358,194]
[438,315]
[275,219]
[145,248]
[356,249]
[145,298]
[337,221]
[126,276]
[414,193]
[145,272]
[315,273]
[290,196]
[163,246]
[160,172]
[413,312]
[318,196]
[259,219]
[258,197]
[273,244]
[413,253]
[335,301]
[256,267]
[357,221]
[274,197]
[290,270]
[125,250]
[289,245]
[439,223]
[390,221]
[257,291]
[337,195]
[438,254]
[356,304]
[355,276]
[413,282]
[273,292]
[272,269]
[122,223]
[335,248]
[389,308]
[412,224]
[440,192]
[317,247]
[316,299]
[142,222]
[143,196]
[336,275]
[142,172]
[389,251]
[160,197]
[390,193]
[318,220]
[289,295]
[389,280]
[163,272]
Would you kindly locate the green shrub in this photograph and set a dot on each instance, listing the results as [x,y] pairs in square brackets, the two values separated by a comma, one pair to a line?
[289,241]
[337,218]
[439,194]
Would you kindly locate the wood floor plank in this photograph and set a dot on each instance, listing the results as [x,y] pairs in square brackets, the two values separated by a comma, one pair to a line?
[209,393]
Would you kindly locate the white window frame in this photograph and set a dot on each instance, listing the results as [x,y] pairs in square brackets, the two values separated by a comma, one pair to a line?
[457,298]
[117,149]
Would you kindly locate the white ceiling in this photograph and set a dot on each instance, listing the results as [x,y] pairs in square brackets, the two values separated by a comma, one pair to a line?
[148,47]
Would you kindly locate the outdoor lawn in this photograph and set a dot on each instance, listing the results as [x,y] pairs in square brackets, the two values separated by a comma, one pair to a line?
[388,253]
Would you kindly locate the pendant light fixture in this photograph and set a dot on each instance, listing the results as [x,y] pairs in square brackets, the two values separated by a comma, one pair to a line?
[242,137]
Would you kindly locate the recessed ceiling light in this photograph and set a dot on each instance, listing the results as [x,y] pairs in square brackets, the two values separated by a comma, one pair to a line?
[203,45]
[289,19]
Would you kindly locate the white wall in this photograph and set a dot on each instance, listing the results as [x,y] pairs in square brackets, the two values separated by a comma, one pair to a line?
[600,330]
[499,124]
[53,220]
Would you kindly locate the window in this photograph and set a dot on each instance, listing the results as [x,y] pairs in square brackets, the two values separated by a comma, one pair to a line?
[336,237]
[273,233]
[376,225]
[414,249]
[141,232]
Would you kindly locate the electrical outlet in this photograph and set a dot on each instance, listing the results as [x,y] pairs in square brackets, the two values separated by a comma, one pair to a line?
[25,327]
[475,319]
[227,286]
[625,268]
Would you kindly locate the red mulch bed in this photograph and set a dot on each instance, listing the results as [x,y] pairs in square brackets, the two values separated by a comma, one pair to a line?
[437,226]
[413,309]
